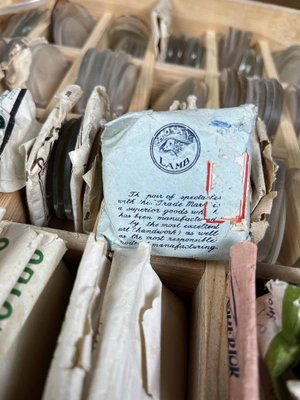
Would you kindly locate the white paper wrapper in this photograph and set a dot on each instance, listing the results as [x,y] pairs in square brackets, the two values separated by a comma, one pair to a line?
[178,180]
[161,23]
[72,358]
[93,195]
[96,114]
[118,338]
[269,314]
[17,68]
[294,388]
[28,287]
[127,361]
[257,173]
[17,126]
[37,160]
[189,104]
[23,370]
[263,175]
[17,247]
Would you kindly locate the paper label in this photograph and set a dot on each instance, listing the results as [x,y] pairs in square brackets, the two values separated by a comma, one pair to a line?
[241,323]
[178,180]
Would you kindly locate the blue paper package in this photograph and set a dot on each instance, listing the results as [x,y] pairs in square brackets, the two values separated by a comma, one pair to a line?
[179,180]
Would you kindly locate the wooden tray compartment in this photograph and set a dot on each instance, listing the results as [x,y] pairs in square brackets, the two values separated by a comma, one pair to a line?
[202,283]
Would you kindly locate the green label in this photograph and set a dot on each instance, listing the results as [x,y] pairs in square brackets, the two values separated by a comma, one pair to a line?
[39,259]
[4,242]
[8,310]
[29,272]
[23,279]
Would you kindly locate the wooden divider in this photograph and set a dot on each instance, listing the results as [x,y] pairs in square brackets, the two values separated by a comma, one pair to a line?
[165,75]
[71,53]
[212,70]
[180,275]
[203,282]
[94,38]
[41,30]
[208,356]
[142,92]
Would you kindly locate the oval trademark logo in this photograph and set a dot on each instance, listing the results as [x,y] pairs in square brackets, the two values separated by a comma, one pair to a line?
[175,148]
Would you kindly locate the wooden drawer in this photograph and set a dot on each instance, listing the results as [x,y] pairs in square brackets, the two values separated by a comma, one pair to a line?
[201,283]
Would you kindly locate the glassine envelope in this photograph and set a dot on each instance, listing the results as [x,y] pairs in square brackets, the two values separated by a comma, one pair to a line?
[178,180]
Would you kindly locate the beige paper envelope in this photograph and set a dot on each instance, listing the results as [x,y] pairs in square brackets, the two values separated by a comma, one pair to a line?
[96,114]
[17,246]
[161,17]
[121,368]
[72,358]
[294,388]
[111,344]
[28,287]
[37,161]
[17,68]
[263,176]
[142,346]
[92,195]
[24,369]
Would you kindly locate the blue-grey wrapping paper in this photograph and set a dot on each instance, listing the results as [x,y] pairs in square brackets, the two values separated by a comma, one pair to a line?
[179,180]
